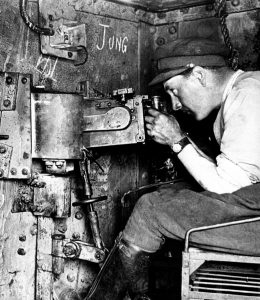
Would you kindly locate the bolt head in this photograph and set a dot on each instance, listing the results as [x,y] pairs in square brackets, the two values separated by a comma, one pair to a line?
[24,171]
[70,54]
[2,149]
[79,215]
[9,80]
[76,236]
[22,238]
[21,251]
[7,103]
[24,80]
[172,29]
[235,2]
[69,250]
[70,278]
[13,171]
[160,41]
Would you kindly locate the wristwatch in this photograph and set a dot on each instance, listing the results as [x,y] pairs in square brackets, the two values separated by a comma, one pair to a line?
[179,146]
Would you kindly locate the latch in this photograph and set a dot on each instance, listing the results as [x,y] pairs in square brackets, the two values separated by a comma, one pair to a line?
[61,40]
[65,248]
[110,122]
[114,119]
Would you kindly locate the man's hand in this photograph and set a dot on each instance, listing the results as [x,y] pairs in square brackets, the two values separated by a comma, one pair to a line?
[163,128]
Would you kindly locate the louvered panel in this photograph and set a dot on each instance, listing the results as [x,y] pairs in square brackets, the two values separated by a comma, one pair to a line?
[245,283]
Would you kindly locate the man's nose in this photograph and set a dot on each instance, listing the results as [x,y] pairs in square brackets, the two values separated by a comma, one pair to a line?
[176,104]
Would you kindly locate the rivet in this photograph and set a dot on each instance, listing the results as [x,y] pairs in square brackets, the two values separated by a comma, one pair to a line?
[21,251]
[152,16]
[70,54]
[136,103]
[22,238]
[24,80]
[9,80]
[7,103]
[161,15]
[2,149]
[24,171]
[13,171]
[76,236]
[152,29]
[70,278]
[79,215]
[25,155]
[235,2]
[172,29]
[160,41]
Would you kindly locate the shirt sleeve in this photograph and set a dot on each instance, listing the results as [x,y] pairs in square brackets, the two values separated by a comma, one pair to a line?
[239,161]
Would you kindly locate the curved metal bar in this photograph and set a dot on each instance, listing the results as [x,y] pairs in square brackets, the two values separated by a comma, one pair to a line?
[30,24]
[189,232]
[86,201]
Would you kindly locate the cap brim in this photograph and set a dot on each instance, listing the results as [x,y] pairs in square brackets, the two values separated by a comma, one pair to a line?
[166,75]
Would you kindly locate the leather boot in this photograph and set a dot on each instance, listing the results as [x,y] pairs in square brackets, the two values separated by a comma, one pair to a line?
[125,270]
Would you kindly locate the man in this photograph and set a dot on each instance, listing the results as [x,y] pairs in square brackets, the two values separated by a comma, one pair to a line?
[198,84]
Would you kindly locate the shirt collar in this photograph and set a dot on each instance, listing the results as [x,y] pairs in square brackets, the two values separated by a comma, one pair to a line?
[230,84]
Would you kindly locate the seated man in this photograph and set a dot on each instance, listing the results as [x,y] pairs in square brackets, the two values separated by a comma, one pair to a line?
[198,85]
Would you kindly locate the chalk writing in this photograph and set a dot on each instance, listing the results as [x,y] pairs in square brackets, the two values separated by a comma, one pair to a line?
[46,67]
[112,42]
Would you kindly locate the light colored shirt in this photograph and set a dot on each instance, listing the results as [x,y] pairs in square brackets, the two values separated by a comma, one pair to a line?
[237,130]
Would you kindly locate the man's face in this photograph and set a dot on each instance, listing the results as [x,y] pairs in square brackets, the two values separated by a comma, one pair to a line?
[189,95]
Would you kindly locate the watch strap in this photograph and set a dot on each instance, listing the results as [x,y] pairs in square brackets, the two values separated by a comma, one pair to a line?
[180,145]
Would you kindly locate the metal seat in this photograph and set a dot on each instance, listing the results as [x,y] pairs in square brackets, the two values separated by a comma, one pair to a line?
[216,275]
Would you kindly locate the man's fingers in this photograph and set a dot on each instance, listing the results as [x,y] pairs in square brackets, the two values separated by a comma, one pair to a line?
[149,126]
[153,112]
[149,119]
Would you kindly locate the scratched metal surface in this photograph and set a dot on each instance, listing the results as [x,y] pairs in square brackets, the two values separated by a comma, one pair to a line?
[112,45]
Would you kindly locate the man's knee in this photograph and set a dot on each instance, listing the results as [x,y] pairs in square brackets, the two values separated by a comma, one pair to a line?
[147,203]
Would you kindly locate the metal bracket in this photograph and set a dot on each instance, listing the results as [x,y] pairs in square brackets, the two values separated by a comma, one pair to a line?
[15,128]
[83,251]
[66,41]
[66,248]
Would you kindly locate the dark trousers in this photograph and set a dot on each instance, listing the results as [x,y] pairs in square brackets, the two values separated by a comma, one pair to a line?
[170,211]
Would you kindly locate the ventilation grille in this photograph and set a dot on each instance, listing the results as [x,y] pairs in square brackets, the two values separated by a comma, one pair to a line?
[235,282]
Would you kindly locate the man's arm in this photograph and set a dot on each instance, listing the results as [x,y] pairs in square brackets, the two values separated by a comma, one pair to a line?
[165,129]
[204,171]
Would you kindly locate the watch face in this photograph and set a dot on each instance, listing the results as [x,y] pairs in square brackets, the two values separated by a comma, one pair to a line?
[176,147]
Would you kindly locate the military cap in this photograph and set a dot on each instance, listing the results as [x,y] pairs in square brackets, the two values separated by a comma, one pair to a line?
[176,57]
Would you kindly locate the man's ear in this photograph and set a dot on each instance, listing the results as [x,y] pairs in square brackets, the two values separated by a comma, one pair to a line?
[200,74]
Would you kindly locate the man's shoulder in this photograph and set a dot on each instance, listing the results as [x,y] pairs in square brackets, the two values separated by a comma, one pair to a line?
[248,81]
